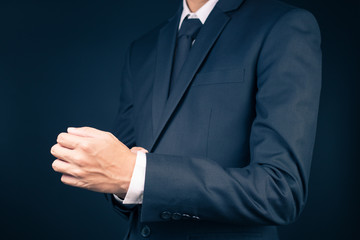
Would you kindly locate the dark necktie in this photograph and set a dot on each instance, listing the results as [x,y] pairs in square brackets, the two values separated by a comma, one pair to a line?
[186,35]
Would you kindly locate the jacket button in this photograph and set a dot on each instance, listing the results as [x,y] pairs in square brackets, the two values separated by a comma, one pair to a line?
[145,231]
[165,215]
[195,218]
[176,216]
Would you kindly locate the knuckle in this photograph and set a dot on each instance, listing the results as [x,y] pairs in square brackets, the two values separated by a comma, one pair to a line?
[86,146]
[77,158]
[64,179]
[77,172]
[80,160]
[53,149]
[54,165]
[60,138]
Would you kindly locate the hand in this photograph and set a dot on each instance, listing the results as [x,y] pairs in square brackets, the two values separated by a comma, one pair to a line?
[93,159]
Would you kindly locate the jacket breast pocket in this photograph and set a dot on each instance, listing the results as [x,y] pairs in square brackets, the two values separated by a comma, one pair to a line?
[219,77]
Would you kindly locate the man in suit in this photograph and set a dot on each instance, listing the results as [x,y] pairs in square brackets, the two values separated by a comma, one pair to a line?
[219,107]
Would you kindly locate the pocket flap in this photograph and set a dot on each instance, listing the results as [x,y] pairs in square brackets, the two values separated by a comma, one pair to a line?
[219,77]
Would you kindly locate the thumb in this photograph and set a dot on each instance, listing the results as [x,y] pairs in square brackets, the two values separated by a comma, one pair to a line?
[85,131]
[138,149]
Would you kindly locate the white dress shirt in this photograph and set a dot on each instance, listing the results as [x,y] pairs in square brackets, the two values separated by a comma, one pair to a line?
[135,192]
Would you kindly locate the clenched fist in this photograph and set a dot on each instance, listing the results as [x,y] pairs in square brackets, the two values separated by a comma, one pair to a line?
[93,159]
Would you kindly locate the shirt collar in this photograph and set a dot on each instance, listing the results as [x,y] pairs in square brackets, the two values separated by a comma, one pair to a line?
[201,14]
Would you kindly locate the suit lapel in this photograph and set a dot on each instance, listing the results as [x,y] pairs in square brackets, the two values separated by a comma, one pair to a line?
[211,30]
[164,58]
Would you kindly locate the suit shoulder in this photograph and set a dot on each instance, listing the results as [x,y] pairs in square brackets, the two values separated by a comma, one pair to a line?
[271,10]
[265,14]
[271,7]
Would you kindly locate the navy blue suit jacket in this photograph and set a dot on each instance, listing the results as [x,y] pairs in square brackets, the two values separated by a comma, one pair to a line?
[231,148]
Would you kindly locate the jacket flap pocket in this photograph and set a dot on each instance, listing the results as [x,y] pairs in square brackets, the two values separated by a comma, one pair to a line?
[219,77]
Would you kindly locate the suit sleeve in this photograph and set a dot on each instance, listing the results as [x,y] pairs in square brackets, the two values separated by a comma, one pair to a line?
[123,127]
[272,189]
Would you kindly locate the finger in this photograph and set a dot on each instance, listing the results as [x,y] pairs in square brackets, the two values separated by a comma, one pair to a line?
[61,166]
[62,153]
[85,131]
[67,168]
[69,180]
[69,141]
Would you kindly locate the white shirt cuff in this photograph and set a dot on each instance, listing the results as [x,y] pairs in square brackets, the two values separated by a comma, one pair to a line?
[135,192]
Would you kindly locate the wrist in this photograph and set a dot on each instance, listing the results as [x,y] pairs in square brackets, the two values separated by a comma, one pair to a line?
[125,182]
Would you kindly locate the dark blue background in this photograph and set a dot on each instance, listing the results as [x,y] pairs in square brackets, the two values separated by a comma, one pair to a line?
[60,66]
